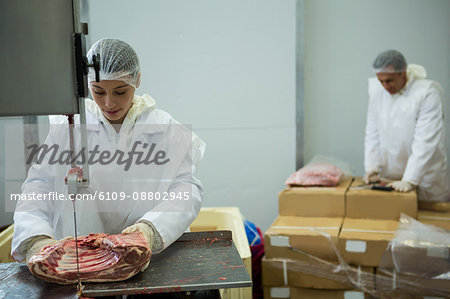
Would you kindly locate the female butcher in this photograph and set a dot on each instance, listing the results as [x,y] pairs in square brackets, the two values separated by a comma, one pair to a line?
[141,166]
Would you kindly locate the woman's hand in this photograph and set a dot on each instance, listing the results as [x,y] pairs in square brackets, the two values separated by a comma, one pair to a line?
[37,243]
[146,230]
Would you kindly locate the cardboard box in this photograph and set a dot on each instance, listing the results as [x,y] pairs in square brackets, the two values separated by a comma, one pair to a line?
[227,218]
[314,201]
[420,253]
[434,206]
[303,293]
[375,204]
[282,272]
[439,219]
[303,233]
[363,241]
[304,274]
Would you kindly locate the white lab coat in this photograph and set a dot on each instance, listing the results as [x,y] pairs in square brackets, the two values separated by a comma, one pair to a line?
[170,218]
[405,135]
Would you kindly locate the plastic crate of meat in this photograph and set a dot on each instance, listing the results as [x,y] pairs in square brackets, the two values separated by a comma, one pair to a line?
[316,174]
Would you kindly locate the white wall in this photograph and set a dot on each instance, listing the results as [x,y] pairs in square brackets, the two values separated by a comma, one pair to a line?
[342,38]
[227,68]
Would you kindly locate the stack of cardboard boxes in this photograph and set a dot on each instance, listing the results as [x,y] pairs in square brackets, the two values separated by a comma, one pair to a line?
[370,223]
[319,222]
[308,226]
[371,220]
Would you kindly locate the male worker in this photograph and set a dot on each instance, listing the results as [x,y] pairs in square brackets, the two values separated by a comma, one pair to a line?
[405,135]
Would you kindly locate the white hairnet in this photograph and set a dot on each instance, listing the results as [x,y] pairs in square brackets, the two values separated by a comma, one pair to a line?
[118,61]
[390,61]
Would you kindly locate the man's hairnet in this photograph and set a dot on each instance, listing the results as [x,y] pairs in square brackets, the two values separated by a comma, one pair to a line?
[392,58]
[118,61]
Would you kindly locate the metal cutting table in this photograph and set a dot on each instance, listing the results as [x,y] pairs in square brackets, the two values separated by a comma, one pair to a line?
[197,261]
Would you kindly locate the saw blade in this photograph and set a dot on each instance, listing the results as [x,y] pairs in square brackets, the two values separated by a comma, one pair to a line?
[73,179]
[76,246]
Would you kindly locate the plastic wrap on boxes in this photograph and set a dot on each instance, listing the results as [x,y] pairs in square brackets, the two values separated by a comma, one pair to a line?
[315,274]
[418,249]
[319,272]
[304,293]
[417,258]
[304,233]
[413,244]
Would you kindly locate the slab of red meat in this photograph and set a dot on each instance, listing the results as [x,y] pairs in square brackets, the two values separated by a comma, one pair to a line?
[102,257]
